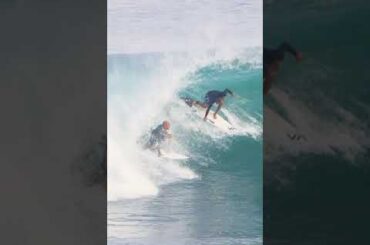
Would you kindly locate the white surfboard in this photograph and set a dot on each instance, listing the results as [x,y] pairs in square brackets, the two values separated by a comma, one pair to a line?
[173,155]
[219,122]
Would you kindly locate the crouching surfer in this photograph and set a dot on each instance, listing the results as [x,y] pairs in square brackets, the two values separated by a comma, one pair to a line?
[211,97]
[158,136]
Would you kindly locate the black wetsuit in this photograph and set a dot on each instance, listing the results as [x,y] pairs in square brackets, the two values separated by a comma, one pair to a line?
[272,55]
[157,137]
[213,96]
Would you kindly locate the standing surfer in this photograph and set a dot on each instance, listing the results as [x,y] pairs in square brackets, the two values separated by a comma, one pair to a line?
[211,97]
[158,136]
[272,59]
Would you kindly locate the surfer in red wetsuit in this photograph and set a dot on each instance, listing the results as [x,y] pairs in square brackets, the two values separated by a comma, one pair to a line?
[272,59]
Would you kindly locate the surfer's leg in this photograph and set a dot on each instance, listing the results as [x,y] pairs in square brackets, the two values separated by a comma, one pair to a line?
[159,152]
[158,148]
[201,104]
[188,101]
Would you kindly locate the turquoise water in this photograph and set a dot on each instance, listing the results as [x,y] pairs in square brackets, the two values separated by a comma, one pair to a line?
[215,197]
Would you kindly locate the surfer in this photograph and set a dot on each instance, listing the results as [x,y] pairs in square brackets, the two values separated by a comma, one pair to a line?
[211,97]
[159,135]
[272,59]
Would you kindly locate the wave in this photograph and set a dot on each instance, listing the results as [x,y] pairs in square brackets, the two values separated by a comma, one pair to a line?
[143,90]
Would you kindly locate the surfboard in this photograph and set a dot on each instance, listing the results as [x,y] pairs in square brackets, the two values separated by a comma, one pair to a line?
[173,155]
[219,122]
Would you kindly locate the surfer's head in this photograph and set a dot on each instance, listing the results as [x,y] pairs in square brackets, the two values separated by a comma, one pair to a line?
[227,91]
[166,125]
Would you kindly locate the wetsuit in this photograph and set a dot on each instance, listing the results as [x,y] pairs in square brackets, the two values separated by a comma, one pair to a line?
[213,96]
[157,137]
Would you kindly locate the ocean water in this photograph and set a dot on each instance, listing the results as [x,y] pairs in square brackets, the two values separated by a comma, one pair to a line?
[215,197]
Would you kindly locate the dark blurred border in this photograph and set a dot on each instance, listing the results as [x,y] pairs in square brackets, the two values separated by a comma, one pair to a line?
[53,122]
[324,199]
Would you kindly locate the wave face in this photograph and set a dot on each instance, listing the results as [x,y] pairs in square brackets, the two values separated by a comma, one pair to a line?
[224,169]
[139,101]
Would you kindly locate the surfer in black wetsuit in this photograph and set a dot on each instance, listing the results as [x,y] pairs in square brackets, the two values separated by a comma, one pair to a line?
[271,62]
[158,136]
[211,97]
